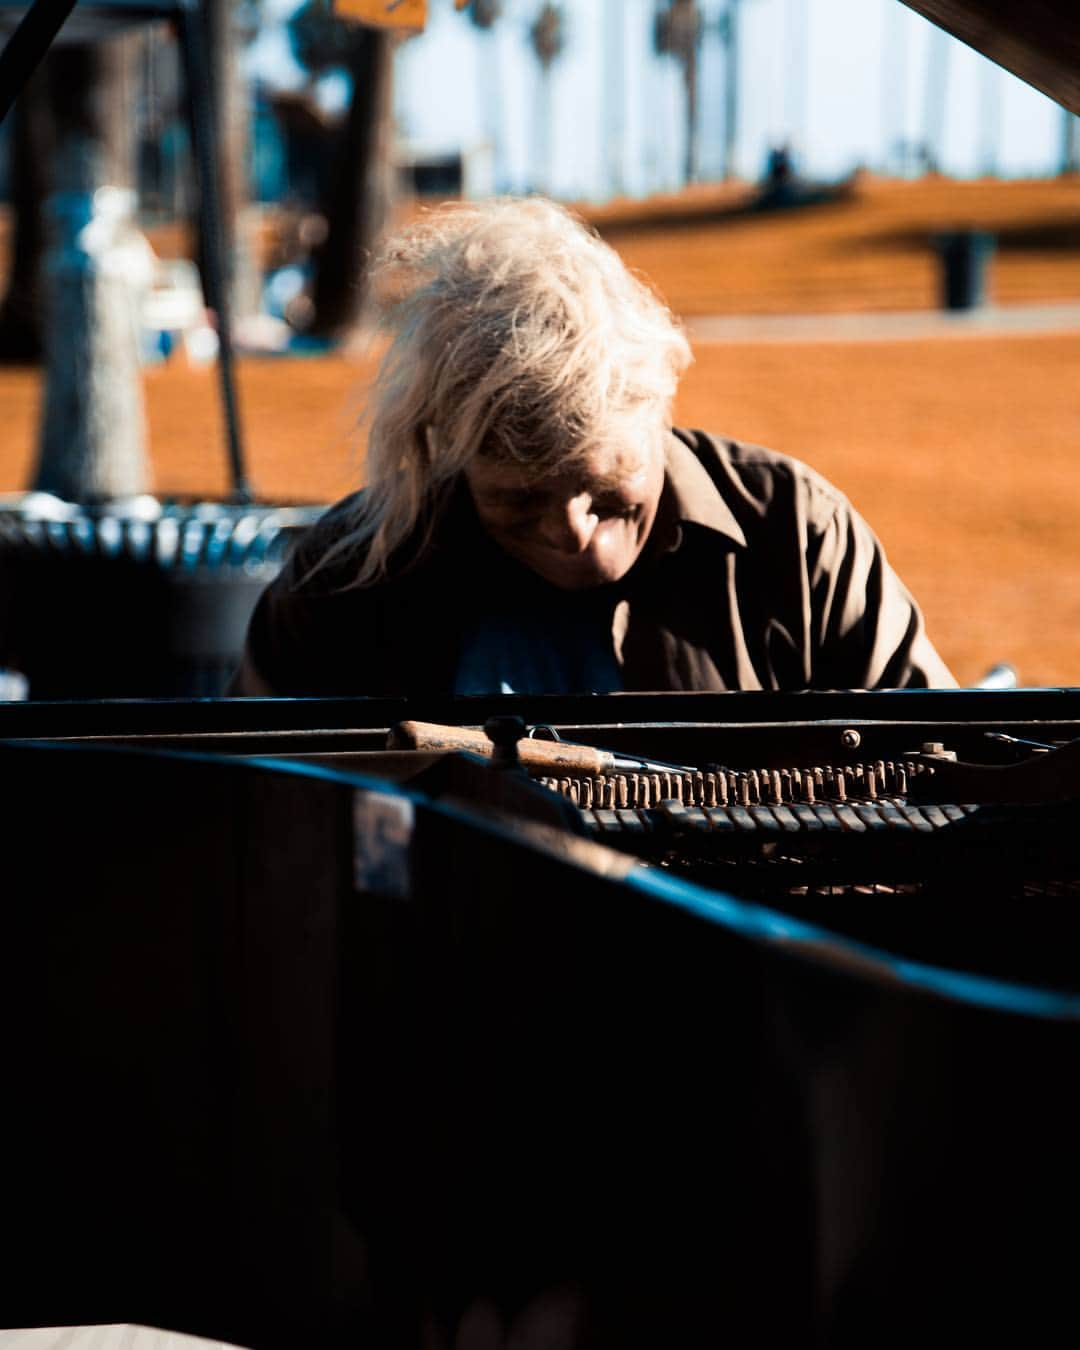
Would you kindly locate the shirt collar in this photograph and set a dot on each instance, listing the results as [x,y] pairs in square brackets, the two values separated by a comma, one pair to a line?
[691,497]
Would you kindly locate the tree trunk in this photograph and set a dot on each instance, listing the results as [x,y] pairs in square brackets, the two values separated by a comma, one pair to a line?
[935,100]
[92,433]
[690,85]
[358,203]
[731,87]
[614,102]
[544,153]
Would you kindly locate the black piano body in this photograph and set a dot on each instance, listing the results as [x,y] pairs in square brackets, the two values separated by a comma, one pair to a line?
[298,1054]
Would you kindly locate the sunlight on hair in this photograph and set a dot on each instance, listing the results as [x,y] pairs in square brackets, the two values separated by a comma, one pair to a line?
[516,333]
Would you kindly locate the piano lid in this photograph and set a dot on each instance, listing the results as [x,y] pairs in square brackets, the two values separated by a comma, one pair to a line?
[1038,41]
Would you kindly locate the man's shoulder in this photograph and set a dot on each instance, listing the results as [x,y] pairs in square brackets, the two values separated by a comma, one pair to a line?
[324,561]
[327,560]
[761,479]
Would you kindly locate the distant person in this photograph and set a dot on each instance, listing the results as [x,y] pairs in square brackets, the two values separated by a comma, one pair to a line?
[532,522]
[779,168]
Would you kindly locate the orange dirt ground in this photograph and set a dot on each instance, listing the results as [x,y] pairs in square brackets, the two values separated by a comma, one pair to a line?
[963,451]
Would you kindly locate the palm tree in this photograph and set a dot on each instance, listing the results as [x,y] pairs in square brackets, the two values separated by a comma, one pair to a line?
[731,86]
[935,99]
[615,94]
[548,38]
[989,117]
[795,74]
[893,88]
[484,14]
[678,34]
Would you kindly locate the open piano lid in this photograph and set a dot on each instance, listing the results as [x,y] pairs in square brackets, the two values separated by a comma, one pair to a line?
[1038,41]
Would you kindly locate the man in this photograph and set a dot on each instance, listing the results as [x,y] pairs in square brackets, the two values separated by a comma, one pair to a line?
[533,523]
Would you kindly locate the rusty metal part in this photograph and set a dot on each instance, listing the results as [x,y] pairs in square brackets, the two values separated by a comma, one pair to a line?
[936,750]
[1053,776]
[621,763]
[744,787]
[776,820]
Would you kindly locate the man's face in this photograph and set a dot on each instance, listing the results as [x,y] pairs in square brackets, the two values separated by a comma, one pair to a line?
[580,528]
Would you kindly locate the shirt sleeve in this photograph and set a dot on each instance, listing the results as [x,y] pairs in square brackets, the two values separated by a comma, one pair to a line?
[292,647]
[870,632]
[285,648]
[251,679]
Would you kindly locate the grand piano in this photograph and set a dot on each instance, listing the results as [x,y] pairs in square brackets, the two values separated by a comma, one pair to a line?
[315,1039]
[320,1032]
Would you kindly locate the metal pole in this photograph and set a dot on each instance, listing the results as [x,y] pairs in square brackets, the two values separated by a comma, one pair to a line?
[25,49]
[214,271]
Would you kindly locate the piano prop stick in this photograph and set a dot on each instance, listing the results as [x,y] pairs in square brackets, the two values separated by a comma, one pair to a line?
[553,757]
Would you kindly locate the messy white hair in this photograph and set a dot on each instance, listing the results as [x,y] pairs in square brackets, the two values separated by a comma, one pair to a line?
[519,335]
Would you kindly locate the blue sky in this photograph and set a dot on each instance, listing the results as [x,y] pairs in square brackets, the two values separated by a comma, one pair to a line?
[842,81]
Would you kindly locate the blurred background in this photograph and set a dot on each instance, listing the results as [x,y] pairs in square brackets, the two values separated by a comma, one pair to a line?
[870,231]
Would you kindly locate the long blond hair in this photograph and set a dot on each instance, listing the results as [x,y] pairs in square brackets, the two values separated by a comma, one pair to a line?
[517,333]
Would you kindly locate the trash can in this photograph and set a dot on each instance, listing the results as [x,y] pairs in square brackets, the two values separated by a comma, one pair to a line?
[138,600]
[964,257]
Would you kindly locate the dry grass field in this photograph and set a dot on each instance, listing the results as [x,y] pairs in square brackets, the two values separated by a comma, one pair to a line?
[962,450]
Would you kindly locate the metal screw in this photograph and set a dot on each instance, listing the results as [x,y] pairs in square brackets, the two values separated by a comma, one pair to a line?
[850,738]
[937,748]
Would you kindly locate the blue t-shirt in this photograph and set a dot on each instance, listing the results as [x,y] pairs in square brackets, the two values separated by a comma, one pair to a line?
[563,646]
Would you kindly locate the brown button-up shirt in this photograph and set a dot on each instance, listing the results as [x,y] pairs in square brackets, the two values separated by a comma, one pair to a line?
[758,574]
